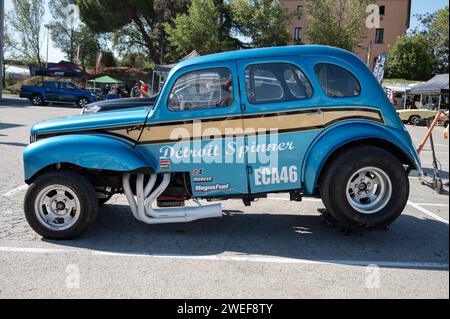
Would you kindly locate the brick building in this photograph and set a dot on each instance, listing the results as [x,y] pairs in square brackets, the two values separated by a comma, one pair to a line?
[394,22]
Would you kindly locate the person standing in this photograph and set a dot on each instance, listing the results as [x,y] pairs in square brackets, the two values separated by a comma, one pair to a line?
[446,129]
[136,91]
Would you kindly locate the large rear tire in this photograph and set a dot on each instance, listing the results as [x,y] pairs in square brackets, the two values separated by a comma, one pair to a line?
[365,188]
[60,205]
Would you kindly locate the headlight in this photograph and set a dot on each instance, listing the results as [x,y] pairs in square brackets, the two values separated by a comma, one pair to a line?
[90,109]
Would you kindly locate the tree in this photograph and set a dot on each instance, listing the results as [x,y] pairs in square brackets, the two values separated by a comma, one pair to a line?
[200,29]
[144,18]
[134,60]
[108,59]
[71,35]
[25,21]
[338,23]
[89,45]
[435,29]
[261,21]
[409,58]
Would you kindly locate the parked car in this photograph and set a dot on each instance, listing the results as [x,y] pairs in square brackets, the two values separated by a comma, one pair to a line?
[413,116]
[117,104]
[100,96]
[304,120]
[56,92]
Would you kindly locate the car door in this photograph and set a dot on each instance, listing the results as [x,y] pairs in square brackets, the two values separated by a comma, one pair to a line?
[282,111]
[67,92]
[51,90]
[196,127]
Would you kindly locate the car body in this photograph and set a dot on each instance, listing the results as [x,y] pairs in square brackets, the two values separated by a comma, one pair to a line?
[303,120]
[118,104]
[57,92]
[413,116]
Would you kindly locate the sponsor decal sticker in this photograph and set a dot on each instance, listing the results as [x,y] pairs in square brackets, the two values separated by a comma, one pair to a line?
[210,188]
[204,179]
[164,164]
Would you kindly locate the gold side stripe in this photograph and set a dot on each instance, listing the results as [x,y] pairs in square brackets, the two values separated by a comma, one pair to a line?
[285,122]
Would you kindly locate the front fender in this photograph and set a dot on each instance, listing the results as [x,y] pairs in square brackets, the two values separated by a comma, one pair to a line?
[88,151]
[339,135]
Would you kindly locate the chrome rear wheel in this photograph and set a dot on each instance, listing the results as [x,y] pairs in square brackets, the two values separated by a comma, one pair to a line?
[369,190]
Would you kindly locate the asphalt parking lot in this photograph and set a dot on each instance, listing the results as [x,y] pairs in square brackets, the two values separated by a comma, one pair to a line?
[273,249]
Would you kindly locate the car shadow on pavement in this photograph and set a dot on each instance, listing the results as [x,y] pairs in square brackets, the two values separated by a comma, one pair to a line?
[409,240]
[430,172]
[13,144]
[15,102]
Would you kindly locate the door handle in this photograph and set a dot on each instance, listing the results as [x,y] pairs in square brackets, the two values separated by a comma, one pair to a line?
[315,112]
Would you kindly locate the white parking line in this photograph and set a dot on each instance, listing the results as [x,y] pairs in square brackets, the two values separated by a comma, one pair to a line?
[427,212]
[443,163]
[248,258]
[16,190]
[437,152]
[432,204]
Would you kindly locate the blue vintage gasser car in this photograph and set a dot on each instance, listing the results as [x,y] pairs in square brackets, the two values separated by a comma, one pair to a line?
[305,120]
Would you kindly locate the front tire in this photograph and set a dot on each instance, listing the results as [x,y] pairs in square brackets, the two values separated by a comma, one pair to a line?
[82,102]
[414,120]
[365,188]
[60,205]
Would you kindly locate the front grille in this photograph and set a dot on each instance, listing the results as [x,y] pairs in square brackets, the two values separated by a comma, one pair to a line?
[33,138]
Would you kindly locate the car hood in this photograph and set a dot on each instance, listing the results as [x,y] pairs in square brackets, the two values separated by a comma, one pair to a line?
[125,101]
[91,122]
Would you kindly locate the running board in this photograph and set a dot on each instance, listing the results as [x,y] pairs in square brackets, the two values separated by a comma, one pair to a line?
[142,205]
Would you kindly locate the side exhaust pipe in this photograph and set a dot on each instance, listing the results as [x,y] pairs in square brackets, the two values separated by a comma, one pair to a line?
[142,205]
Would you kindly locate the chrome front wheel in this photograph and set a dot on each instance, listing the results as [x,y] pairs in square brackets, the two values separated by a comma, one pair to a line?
[60,204]
[57,207]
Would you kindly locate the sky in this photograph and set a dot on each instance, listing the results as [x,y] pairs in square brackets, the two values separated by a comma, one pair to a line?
[418,6]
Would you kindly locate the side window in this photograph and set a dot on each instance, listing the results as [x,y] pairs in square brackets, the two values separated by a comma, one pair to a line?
[336,81]
[67,85]
[276,82]
[52,85]
[202,89]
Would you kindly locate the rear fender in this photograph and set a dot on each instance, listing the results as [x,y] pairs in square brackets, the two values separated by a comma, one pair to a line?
[87,151]
[339,136]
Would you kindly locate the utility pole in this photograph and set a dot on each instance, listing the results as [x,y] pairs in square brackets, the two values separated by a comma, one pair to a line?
[48,41]
[2,39]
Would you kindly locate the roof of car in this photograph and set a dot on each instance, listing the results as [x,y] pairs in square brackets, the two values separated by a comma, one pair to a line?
[265,52]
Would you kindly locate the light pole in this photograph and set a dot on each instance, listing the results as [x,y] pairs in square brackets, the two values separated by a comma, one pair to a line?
[2,38]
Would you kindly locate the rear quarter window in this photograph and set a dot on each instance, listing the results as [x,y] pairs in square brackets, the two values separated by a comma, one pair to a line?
[337,81]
